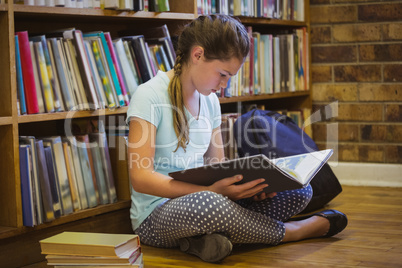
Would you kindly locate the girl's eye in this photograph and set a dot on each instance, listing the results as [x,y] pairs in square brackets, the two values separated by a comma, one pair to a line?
[223,75]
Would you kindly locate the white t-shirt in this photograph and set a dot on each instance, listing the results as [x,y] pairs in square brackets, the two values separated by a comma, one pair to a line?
[151,103]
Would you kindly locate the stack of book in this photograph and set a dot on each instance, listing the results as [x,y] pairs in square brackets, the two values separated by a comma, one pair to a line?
[83,249]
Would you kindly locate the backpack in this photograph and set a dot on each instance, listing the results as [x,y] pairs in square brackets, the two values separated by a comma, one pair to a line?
[276,135]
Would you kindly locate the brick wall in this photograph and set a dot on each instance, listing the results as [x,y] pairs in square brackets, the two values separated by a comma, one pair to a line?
[356,53]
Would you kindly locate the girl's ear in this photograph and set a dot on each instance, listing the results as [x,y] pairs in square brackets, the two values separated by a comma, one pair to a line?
[196,54]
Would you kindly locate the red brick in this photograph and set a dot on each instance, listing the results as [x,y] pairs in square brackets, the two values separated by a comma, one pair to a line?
[380,12]
[357,73]
[382,52]
[394,133]
[333,54]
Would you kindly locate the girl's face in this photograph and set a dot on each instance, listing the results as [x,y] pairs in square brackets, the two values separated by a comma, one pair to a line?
[210,76]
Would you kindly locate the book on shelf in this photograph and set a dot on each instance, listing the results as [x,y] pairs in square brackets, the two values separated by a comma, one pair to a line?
[286,173]
[26,185]
[36,178]
[20,80]
[89,244]
[100,140]
[54,184]
[61,172]
[39,93]
[49,206]
[137,43]
[28,73]
[75,197]
[53,81]
[121,93]
[115,63]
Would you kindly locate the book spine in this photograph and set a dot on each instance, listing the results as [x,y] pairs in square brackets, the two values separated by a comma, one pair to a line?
[105,81]
[20,81]
[26,185]
[117,68]
[44,78]
[28,73]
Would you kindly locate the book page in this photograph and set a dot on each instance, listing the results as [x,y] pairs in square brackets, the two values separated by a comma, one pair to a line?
[302,167]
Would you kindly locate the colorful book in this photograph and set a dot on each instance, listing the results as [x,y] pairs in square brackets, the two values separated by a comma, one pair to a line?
[47,91]
[20,80]
[122,95]
[28,73]
[54,185]
[117,68]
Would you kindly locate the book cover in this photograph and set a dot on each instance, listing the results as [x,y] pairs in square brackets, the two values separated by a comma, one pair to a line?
[77,40]
[36,179]
[20,80]
[138,44]
[287,173]
[47,198]
[122,96]
[71,176]
[28,73]
[127,71]
[95,75]
[61,172]
[26,185]
[89,244]
[47,91]
[57,57]
[39,93]
[116,65]
[88,170]
[54,185]
[53,82]
[75,75]
[78,170]
[101,141]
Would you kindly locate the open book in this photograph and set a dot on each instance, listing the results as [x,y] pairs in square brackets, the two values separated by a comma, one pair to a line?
[286,173]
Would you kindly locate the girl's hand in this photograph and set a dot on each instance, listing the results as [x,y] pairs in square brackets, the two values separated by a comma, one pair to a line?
[227,187]
[263,196]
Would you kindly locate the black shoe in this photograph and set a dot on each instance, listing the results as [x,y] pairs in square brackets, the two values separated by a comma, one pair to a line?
[337,220]
[209,248]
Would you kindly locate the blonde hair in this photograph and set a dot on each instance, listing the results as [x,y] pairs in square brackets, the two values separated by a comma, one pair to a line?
[222,38]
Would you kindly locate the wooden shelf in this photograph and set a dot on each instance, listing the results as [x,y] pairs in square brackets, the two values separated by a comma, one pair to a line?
[6,120]
[3,7]
[36,11]
[30,118]
[272,22]
[6,232]
[264,97]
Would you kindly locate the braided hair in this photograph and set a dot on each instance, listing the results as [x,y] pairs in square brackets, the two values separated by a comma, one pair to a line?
[222,38]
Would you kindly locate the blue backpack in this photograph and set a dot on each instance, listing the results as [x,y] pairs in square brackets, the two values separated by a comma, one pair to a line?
[276,135]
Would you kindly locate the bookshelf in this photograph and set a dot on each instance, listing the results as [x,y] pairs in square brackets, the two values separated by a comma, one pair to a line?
[104,218]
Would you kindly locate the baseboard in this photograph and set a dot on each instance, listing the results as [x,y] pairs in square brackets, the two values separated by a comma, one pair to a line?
[368,174]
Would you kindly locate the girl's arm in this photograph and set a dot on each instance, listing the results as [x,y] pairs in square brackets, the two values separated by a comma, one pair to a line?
[141,153]
[144,179]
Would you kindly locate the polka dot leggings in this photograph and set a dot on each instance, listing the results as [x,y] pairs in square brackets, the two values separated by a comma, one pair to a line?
[244,221]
